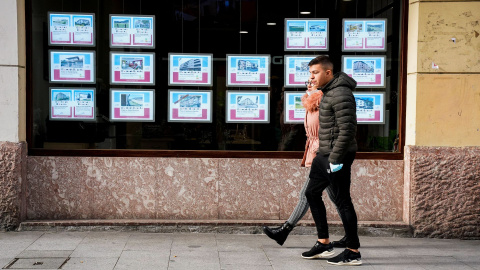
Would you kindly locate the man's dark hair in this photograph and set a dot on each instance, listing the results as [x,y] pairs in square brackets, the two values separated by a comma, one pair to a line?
[323,60]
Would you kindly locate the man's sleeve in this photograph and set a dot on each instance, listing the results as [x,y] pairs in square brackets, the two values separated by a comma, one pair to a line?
[344,108]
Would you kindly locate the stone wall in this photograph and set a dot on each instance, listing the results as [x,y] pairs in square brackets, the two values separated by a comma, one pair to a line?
[444,191]
[12,184]
[68,188]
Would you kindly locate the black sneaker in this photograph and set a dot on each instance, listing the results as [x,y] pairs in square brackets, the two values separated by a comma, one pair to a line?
[347,257]
[342,243]
[319,250]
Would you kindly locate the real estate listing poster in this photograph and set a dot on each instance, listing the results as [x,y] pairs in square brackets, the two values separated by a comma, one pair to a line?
[293,111]
[132,31]
[297,70]
[132,105]
[190,69]
[364,35]
[71,29]
[72,66]
[248,70]
[190,106]
[368,71]
[306,34]
[132,68]
[370,107]
[72,104]
[248,107]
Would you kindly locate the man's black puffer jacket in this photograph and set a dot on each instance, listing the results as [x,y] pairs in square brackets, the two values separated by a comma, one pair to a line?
[338,118]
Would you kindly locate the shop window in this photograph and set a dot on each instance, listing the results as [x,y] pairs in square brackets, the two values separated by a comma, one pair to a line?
[216,28]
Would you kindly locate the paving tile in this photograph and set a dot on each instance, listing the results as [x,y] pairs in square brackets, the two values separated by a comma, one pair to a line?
[44,254]
[58,241]
[149,241]
[84,263]
[246,257]
[141,259]
[38,263]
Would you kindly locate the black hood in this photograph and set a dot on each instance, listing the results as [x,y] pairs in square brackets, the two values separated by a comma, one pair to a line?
[340,79]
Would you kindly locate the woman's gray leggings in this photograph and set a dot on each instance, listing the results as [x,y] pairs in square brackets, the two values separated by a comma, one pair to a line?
[302,205]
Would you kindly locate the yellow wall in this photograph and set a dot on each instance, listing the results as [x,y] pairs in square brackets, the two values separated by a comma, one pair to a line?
[443,104]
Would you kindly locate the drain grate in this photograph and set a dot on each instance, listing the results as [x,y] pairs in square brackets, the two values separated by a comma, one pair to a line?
[37,263]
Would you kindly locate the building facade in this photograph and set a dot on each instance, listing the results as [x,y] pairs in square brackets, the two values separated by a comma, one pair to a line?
[431,183]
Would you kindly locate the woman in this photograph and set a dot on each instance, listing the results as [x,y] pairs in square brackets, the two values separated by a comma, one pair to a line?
[310,101]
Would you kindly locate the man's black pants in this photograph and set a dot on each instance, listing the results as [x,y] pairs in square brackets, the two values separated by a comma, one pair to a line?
[321,178]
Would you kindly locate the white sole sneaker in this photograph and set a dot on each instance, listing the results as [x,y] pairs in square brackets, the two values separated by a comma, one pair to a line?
[321,255]
[354,262]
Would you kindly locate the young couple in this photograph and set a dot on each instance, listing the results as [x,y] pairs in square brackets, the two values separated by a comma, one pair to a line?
[330,125]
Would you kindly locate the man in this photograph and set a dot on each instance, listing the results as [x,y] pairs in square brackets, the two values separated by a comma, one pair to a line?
[332,165]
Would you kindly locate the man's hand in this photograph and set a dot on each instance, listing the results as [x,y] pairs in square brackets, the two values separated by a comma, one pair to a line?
[335,167]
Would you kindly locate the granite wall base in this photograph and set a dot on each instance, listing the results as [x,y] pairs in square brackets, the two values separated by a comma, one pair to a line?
[12,184]
[63,188]
[444,191]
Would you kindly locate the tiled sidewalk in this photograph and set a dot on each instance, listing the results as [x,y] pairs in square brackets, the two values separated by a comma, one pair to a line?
[136,250]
